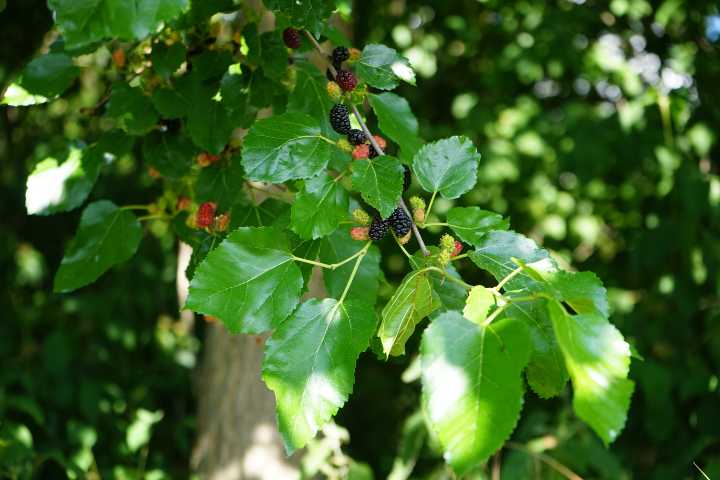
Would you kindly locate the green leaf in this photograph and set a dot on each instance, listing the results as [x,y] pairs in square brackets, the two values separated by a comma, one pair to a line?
[139,431]
[598,359]
[380,182]
[132,109]
[583,291]
[49,75]
[472,385]
[17,96]
[106,237]
[270,212]
[336,248]
[310,364]
[413,300]
[170,103]
[447,166]
[319,207]
[167,59]
[172,154]
[546,373]
[249,281]
[90,21]
[309,14]
[285,147]
[382,67]
[478,304]
[60,185]
[496,250]
[471,224]
[397,121]
[221,183]
[209,125]
[451,295]
[310,96]
[268,51]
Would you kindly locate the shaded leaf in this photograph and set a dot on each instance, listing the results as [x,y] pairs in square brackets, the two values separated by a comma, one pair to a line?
[471,224]
[397,121]
[338,247]
[106,237]
[319,207]
[49,75]
[170,153]
[132,109]
[93,20]
[167,59]
[380,182]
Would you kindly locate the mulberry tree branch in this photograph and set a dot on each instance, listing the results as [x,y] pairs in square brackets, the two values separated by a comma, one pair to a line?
[375,145]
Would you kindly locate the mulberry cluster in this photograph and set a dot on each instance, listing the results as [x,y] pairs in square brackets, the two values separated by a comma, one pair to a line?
[340,118]
[400,222]
[339,55]
[378,229]
[356,137]
[292,38]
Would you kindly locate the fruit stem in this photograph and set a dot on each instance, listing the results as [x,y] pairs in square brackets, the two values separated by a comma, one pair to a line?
[374,143]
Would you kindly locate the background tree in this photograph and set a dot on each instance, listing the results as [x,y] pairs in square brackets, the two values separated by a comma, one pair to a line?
[596,127]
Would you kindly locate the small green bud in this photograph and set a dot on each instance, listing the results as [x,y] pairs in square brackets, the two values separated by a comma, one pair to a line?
[361,216]
[417,202]
[344,145]
[447,243]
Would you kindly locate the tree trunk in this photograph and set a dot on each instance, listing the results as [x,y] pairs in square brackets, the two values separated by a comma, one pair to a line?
[237,435]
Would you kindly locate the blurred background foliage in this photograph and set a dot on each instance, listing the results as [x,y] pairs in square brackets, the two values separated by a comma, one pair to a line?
[597,122]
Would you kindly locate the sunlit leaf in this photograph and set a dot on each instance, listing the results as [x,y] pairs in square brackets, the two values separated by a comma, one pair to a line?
[284,147]
[250,282]
[598,360]
[310,364]
[447,166]
[413,300]
[382,67]
[472,385]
